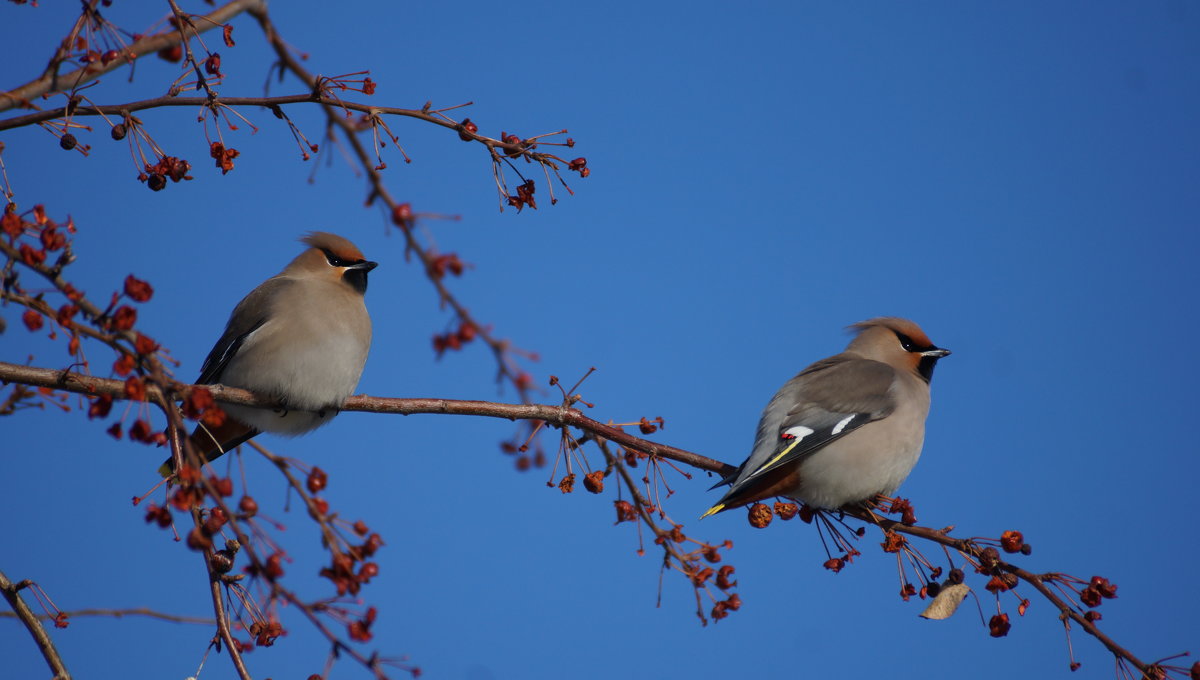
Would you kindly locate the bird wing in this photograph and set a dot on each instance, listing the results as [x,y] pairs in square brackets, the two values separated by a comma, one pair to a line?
[825,402]
[249,315]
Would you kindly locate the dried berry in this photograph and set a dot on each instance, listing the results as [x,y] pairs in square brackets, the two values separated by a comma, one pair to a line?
[100,406]
[159,515]
[319,508]
[402,215]
[67,141]
[140,431]
[215,521]
[759,516]
[723,575]
[32,256]
[33,320]
[1011,541]
[594,481]
[567,484]
[466,127]
[466,332]
[515,142]
[989,559]
[806,514]
[373,544]
[135,389]
[52,239]
[196,540]
[647,427]
[222,486]
[892,542]
[699,577]
[999,626]
[317,480]
[124,365]
[137,289]
[625,512]
[273,569]
[172,53]
[835,564]
[248,506]
[1102,586]
[996,585]
[786,511]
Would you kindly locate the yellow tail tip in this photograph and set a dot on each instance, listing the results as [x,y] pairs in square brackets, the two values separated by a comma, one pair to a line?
[713,510]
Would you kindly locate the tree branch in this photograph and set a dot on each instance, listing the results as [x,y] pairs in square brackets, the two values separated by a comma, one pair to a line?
[556,415]
[11,592]
[1038,581]
[51,82]
[282,100]
[122,613]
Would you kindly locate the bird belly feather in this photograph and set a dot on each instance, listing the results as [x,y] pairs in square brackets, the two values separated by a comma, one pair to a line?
[852,469]
[310,380]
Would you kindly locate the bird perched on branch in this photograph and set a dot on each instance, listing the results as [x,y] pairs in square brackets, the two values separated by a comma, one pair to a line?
[301,337]
[847,427]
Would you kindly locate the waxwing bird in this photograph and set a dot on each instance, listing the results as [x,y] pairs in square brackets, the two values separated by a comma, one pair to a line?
[847,427]
[301,337]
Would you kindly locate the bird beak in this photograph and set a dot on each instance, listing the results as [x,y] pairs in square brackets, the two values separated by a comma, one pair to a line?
[936,353]
[365,266]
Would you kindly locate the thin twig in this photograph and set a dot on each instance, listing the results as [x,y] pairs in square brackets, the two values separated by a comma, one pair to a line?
[555,415]
[122,613]
[50,83]
[11,592]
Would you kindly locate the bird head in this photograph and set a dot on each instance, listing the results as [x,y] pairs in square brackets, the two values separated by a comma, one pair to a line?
[898,342]
[333,257]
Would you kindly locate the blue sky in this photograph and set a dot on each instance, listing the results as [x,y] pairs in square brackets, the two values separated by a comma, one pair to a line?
[1021,180]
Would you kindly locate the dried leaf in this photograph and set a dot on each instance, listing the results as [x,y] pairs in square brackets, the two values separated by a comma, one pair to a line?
[946,603]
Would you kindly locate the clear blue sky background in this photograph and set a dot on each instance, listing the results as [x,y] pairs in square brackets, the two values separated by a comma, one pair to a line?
[1021,180]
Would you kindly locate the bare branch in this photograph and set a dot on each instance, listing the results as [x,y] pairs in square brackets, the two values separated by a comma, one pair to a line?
[122,613]
[51,82]
[283,100]
[555,415]
[214,585]
[11,593]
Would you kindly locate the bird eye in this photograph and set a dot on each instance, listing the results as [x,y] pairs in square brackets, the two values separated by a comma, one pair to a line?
[907,343]
[335,261]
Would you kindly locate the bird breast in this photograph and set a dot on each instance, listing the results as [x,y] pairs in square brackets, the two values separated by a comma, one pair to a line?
[874,459]
[309,360]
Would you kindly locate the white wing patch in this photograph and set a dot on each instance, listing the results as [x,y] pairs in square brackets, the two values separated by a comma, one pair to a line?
[793,435]
[837,429]
[798,431]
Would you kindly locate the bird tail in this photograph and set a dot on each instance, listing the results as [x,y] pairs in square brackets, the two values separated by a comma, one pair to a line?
[780,481]
[213,442]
